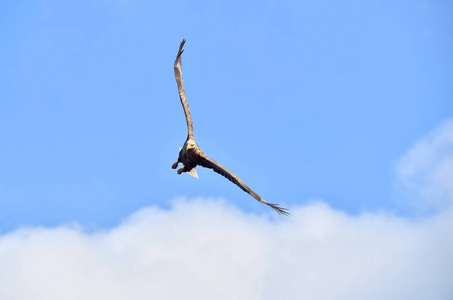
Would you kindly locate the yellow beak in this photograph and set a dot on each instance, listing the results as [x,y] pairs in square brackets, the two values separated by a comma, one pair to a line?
[188,147]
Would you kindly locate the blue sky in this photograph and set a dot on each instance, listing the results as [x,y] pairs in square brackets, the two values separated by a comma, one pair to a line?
[302,100]
[341,112]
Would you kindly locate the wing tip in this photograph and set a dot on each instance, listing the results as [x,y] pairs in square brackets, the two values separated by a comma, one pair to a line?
[178,56]
[280,210]
[181,46]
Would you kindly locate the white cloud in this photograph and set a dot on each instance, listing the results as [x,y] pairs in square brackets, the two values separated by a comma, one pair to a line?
[204,249]
[426,170]
[207,249]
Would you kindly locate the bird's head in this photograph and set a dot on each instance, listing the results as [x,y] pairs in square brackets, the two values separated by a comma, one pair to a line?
[190,145]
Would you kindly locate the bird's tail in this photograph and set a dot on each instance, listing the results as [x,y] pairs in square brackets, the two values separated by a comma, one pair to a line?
[193,172]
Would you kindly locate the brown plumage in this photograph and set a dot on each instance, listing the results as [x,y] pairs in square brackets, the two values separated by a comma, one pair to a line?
[191,155]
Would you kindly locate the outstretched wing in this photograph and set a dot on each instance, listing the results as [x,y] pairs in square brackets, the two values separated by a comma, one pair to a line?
[206,162]
[182,94]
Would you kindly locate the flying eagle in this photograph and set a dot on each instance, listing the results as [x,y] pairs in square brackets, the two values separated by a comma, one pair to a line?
[191,155]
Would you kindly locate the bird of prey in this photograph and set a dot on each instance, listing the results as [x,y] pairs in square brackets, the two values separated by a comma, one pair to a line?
[191,155]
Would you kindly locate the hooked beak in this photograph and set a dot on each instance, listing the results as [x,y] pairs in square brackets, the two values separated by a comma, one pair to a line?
[188,147]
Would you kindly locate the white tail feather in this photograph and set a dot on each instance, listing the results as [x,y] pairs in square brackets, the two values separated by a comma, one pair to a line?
[193,172]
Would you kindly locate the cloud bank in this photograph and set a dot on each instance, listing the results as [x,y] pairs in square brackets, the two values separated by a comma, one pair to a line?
[426,170]
[208,249]
[205,249]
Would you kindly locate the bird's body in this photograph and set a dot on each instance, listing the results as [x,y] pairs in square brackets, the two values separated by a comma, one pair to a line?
[191,155]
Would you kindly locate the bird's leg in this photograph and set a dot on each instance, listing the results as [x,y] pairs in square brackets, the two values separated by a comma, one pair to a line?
[180,171]
[175,165]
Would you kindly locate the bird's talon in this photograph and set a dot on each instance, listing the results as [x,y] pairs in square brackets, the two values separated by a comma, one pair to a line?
[180,171]
[175,165]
